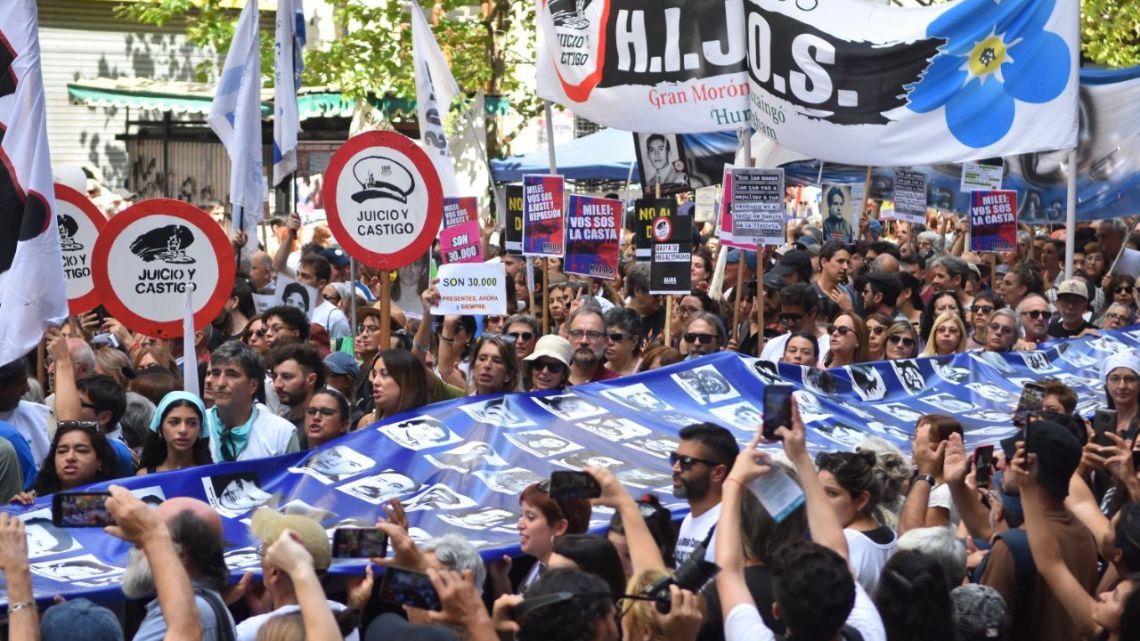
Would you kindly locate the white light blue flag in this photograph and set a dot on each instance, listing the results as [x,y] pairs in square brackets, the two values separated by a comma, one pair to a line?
[235,116]
[288,63]
[866,84]
[32,292]
[435,91]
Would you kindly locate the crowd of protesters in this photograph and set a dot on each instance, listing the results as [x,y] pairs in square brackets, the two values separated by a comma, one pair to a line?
[885,547]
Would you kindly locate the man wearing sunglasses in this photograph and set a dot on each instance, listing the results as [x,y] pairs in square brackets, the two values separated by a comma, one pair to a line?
[704,335]
[799,308]
[1033,311]
[701,464]
[1001,333]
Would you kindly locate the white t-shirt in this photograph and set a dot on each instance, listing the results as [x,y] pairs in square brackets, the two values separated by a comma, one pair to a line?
[269,435]
[332,319]
[774,350]
[867,557]
[940,497]
[247,630]
[692,532]
[743,623]
[31,421]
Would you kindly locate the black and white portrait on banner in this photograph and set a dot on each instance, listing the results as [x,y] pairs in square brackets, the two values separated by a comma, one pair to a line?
[243,558]
[673,418]
[568,407]
[811,410]
[992,392]
[644,477]
[659,446]
[990,416]
[867,382]
[420,433]
[437,497]
[614,429]
[889,431]
[512,481]
[468,457]
[837,223]
[637,397]
[1039,362]
[542,443]
[946,370]
[743,416]
[45,539]
[705,385]
[995,360]
[497,411]
[378,488]
[233,495]
[768,372]
[334,464]
[841,434]
[73,569]
[587,458]
[660,160]
[909,375]
[904,413]
[948,403]
[1108,344]
[818,380]
[484,518]
[292,293]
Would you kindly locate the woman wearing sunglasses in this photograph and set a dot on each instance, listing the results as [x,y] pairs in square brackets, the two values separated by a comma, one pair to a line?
[877,325]
[1002,331]
[79,454]
[176,439]
[980,311]
[947,336]
[848,341]
[900,341]
[548,366]
[494,368]
[942,302]
[326,417]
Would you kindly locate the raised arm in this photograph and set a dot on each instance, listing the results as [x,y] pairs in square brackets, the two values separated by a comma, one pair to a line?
[730,584]
[822,520]
[67,404]
[914,510]
[23,620]
[292,558]
[955,467]
[643,551]
[281,258]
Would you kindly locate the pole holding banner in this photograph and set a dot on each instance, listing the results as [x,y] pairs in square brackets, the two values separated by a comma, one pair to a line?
[386,309]
[1071,213]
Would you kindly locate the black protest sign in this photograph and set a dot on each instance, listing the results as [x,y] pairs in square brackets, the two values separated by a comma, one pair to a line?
[670,268]
[513,241]
[649,210]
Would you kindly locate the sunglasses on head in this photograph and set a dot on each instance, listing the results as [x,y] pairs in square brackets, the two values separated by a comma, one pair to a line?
[704,339]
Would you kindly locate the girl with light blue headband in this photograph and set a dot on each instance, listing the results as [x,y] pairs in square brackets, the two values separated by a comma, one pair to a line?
[177,438]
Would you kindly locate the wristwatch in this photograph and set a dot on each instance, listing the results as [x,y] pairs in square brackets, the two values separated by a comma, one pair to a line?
[922,477]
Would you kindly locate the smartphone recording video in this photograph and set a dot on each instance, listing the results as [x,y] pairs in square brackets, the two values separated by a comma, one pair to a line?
[359,543]
[777,410]
[81,509]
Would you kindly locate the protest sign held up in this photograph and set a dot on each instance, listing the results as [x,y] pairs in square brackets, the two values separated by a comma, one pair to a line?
[542,231]
[512,243]
[758,210]
[670,267]
[649,210]
[460,240]
[472,289]
[79,224]
[592,241]
[993,221]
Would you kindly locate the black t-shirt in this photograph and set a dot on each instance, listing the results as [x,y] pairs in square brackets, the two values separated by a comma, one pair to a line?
[654,323]
[1057,330]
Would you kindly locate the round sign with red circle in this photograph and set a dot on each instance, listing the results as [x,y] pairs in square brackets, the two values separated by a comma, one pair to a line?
[79,222]
[662,229]
[383,199]
[151,254]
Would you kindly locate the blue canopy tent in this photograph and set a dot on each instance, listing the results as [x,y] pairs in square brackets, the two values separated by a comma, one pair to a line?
[603,155]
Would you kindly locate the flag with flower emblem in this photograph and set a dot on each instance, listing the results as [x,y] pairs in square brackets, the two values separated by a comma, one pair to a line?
[854,82]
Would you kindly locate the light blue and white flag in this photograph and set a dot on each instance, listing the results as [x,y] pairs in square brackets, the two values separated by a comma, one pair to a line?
[435,88]
[853,82]
[235,116]
[288,63]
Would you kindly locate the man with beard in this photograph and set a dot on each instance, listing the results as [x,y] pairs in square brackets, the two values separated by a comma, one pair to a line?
[297,372]
[701,464]
[196,530]
[588,336]
[239,427]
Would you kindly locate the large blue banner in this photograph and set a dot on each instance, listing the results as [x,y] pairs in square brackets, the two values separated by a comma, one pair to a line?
[460,466]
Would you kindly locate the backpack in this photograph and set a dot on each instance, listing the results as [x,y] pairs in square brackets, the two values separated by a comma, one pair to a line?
[226,630]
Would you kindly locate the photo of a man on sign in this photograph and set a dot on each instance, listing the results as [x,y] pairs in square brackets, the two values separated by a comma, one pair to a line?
[837,225]
[660,161]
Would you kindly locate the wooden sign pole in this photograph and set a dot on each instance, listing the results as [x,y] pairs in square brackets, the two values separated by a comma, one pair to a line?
[386,309]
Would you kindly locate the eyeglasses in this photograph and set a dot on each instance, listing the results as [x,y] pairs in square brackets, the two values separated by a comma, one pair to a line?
[521,336]
[704,339]
[998,327]
[690,310]
[323,411]
[981,309]
[579,334]
[617,337]
[1036,314]
[906,341]
[1120,318]
[791,318]
[842,330]
[1123,380]
[554,367]
[687,462]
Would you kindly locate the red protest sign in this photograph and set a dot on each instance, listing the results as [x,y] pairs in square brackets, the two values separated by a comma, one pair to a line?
[148,256]
[80,222]
[383,199]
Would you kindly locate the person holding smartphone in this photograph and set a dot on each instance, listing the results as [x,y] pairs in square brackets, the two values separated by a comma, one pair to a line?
[929,503]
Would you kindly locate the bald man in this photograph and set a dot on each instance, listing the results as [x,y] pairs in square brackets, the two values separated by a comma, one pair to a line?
[196,530]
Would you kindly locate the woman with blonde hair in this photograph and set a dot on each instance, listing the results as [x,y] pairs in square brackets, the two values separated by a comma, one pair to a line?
[640,620]
[947,336]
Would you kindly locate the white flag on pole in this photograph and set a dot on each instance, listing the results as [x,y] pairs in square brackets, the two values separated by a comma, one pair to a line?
[435,88]
[235,116]
[288,63]
[32,291]
[189,354]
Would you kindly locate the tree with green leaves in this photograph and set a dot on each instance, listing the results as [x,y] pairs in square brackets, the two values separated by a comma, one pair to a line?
[371,52]
[1110,32]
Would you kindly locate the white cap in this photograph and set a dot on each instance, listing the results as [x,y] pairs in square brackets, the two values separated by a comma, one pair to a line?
[1074,287]
[1126,359]
[554,347]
